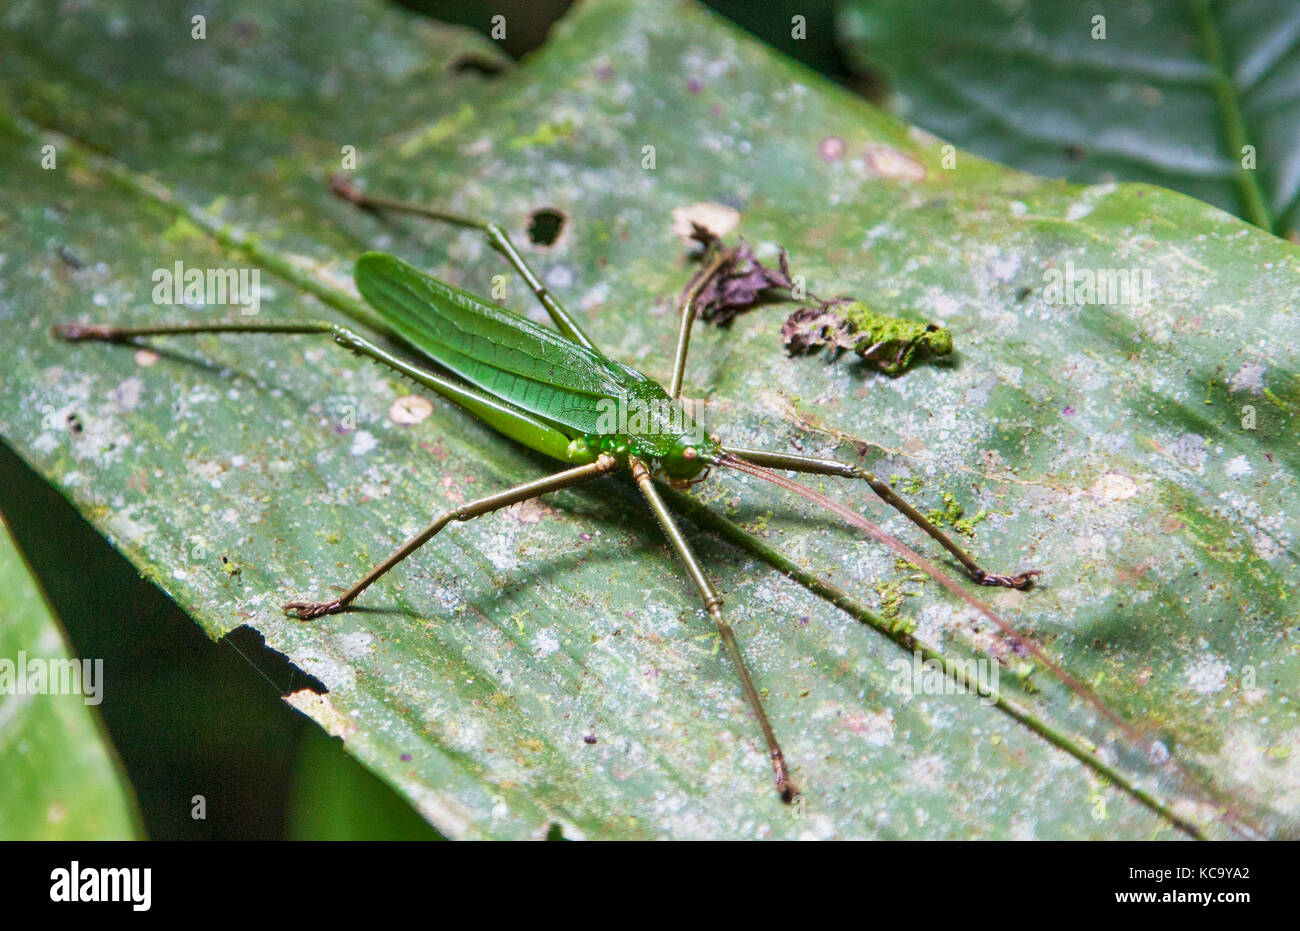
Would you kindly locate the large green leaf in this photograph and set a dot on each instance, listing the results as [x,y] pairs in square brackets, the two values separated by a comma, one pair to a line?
[1168,92]
[60,780]
[1105,443]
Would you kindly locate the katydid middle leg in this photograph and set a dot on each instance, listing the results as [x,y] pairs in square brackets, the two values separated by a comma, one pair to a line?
[812,465]
[496,237]
[713,604]
[306,610]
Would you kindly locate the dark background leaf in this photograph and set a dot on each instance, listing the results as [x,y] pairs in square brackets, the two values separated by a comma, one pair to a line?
[1169,96]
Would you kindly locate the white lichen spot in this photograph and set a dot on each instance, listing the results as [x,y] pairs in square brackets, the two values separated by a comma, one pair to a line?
[126,396]
[928,772]
[595,296]
[1023,829]
[356,645]
[363,442]
[877,729]
[47,442]
[1238,467]
[1113,486]
[831,149]
[560,277]
[719,219]
[1266,547]
[1250,377]
[1208,675]
[145,358]
[448,598]
[337,674]
[940,304]
[820,827]
[124,526]
[1190,450]
[1004,268]
[545,642]
[526,512]
[1078,210]
[409,409]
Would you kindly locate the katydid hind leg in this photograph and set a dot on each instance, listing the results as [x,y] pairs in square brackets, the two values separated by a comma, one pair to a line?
[308,610]
[513,422]
[815,466]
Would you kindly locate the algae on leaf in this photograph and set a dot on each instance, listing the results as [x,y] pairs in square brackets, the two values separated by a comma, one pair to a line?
[1142,455]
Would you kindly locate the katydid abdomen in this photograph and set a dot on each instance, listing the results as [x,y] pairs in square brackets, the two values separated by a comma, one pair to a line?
[603,404]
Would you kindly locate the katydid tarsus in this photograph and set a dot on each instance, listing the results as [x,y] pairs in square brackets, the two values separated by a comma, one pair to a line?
[548,389]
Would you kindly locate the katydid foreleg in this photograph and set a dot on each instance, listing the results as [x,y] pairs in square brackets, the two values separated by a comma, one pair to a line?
[713,604]
[496,237]
[720,258]
[815,466]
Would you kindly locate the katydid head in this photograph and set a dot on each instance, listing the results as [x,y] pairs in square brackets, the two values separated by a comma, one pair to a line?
[691,454]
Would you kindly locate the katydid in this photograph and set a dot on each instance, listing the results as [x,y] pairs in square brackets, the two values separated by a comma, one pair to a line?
[548,390]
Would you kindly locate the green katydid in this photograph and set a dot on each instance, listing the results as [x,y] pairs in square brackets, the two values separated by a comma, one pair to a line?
[550,390]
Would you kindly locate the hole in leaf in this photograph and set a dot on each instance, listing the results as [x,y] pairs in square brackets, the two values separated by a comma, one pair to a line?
[545,226]
[476,64]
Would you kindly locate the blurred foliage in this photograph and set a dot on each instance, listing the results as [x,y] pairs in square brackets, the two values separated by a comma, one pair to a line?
[1163,91]
[194,716]
[60,779]
[335,798]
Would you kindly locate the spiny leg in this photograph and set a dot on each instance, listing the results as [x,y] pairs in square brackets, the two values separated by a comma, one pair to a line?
[713,604]
[496,238]
[534,489]
[809,464]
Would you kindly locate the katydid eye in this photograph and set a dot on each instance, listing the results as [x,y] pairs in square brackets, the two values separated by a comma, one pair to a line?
[689,453]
